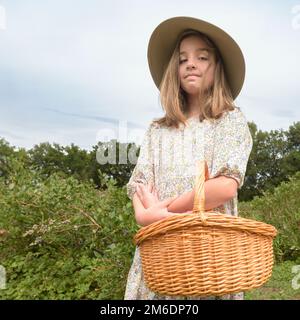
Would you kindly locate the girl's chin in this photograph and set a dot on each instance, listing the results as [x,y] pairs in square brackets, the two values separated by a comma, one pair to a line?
[192,91]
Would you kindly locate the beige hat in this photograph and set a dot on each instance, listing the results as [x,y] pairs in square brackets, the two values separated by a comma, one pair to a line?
[163,41]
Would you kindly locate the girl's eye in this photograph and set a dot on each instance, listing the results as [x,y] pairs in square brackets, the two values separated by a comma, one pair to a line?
[200,58]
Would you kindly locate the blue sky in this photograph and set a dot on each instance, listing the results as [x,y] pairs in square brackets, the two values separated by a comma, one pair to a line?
[69,70]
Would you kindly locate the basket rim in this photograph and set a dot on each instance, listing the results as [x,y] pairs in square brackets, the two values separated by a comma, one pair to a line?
[207,219]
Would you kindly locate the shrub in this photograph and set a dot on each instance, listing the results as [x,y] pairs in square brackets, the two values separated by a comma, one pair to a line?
[281,208]
[62,239]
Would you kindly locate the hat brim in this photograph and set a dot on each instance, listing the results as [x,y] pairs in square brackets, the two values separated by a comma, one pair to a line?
[163,41]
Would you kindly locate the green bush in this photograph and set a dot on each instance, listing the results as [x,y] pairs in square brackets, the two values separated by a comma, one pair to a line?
[280,208]
[62,239]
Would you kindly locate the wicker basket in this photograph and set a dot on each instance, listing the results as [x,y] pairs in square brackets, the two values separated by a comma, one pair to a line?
[205,253]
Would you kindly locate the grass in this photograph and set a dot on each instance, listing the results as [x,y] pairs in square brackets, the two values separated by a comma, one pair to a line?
[279,286]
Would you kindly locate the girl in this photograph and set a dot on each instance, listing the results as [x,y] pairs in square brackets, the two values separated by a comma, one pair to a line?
[199,70]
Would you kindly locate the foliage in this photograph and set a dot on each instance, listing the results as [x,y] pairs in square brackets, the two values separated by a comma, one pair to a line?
[275,157]
[62,239]
[280,208]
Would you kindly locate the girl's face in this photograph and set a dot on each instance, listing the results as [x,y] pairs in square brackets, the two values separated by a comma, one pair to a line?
[195,61]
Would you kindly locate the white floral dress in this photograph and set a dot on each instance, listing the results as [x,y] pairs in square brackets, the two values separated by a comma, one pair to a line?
[168,158]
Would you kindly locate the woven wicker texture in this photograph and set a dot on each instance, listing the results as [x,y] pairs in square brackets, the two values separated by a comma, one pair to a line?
[205,253]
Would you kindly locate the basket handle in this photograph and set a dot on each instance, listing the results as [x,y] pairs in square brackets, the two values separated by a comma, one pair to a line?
[199,198]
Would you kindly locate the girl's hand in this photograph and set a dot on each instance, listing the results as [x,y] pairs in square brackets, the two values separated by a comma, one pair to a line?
[147,194]
[159,211]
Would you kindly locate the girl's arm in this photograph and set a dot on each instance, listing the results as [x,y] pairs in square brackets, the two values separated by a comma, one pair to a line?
[217,191]
[145,216]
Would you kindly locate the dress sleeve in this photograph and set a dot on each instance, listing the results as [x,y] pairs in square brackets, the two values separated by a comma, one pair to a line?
[143,172]
[233,145]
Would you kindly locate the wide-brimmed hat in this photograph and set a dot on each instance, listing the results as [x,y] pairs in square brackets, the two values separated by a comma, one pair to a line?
[165,36]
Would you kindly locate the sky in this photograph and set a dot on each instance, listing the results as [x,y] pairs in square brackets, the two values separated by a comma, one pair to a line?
[76,71]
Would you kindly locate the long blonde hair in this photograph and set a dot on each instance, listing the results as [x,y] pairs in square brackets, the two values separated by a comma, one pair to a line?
[217,98]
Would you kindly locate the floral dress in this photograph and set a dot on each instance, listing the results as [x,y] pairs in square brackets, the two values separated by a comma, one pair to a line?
[168,158]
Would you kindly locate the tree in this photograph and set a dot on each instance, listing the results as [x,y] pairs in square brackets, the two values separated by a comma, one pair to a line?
[5,151]
[274,158]
[47,158]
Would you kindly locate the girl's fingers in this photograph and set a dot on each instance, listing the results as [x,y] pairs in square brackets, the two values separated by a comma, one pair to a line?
[154,192]
[147,188]
[151,187]
[144,188]
[138,191]
[141,187]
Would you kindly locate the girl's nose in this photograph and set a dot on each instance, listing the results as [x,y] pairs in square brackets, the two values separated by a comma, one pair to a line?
[190,65]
